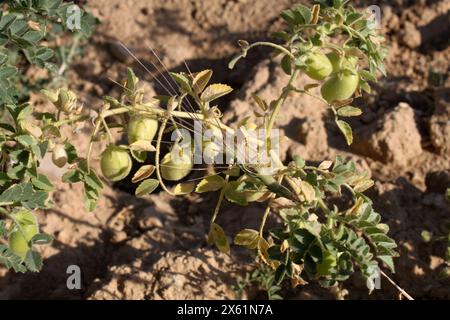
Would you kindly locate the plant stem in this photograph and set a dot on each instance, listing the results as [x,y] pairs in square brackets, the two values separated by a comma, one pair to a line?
[276,187]
[273,45]
[292,184]
[219,202]
[91,143]
[281,99]
[67,61]
[311,95]
[110,137]
[143,110]
[4,212]
[71,120]
[403,292]
[263,222]
[266,213]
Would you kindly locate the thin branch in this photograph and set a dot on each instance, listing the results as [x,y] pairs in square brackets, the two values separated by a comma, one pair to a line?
[403,292]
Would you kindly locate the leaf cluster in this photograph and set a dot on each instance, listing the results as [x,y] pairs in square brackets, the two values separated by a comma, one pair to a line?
[27,28]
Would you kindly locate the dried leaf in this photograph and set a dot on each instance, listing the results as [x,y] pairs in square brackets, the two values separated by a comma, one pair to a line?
[215,91]
[217,236]
[308,191]
[201,79]
[143,173]
[142,145]
[184,188]
[248,238]
[346,131]
[263,246]
[325,165]
[211,183]
[315,13]
[353,211]
[364,185]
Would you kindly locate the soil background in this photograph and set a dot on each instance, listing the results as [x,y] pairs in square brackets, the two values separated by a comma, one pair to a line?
[155,248]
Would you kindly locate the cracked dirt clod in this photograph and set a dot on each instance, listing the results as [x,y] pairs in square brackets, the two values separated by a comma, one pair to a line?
[176,275]
[440,122]
[395,139]
[411,37]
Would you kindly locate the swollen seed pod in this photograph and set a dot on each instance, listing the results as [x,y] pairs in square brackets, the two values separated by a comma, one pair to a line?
[115,163]
[318,67]
[175,169]
[59,156]
[143,129]
[18,243]
[67,100]
[17,239]
[339,88]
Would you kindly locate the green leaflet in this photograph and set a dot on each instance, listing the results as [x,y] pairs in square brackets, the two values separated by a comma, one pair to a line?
[10,260]
[24,194]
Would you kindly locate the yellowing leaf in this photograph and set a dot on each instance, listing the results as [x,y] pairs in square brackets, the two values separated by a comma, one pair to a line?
[233,172]
[232,195]
[353,211]
[248,238]
[308,191]
[325,165]
[51,95]
[263,246]
[384,227]
[217,236]
[142,145]
[342,103]
[211,183]
[349,111]
[184,188]
[143,173]
[315,13]
[346,131]
[284,246]
[364,185]
[215,91]
[146,187]
[353,51]
[260,102]
[201,79]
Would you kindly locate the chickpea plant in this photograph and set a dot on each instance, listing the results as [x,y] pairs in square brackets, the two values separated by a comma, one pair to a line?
[331,43]
[28,29]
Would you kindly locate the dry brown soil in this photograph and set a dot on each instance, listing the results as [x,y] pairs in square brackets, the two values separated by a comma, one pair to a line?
[155,248]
